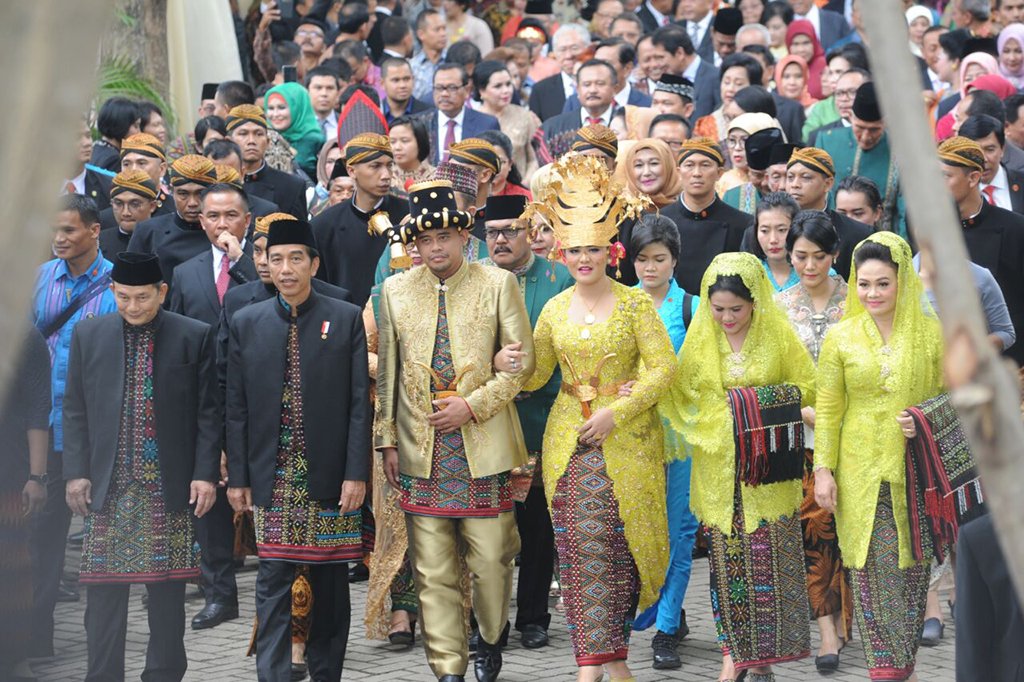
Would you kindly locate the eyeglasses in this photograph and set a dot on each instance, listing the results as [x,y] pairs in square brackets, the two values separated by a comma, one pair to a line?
[846,94]
[509,233]
[736,143]
[447,89]
[309,34]
[133,205]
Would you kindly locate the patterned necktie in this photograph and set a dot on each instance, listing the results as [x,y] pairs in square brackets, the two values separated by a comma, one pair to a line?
[449,137]
[989,193]
[223,278]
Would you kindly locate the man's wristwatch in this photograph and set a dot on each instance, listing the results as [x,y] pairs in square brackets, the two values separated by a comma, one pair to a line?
[41,479]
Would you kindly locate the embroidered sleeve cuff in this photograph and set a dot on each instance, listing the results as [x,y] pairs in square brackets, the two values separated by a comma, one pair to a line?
[385,434]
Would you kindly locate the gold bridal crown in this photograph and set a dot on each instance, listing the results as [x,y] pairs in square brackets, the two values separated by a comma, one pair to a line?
[583,203]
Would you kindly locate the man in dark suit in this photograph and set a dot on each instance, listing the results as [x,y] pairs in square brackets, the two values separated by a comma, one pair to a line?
[810,175]
[306,440]
[673,46]
[348,250]
[396,76]
[989,621]
[654,14]
[141,445]
[547,99]
[597,84]
[830,26]
[198,291]
[375,41]
[698,22]
[176,237]
[1001,186]
[248,128]
[622,56]
[142,152]
[451,121]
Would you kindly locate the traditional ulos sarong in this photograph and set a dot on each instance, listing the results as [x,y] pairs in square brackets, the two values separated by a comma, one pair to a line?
[133,539]
[597,574]
[943,489]
[889,601]
[16,578]
[828,589]
[758,588]
[294,527]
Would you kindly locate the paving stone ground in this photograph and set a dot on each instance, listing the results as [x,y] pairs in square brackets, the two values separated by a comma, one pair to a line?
[219,653]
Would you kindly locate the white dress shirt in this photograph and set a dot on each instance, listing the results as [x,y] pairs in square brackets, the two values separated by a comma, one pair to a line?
[699,29]
[78,181]
[622,96]
[1001,195]
[331,129]
[568,85]
[691,71]
[606,117]
[658,16]
[814,16]
[442,130]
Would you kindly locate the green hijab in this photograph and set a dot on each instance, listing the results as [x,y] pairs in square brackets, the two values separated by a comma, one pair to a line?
[305,133]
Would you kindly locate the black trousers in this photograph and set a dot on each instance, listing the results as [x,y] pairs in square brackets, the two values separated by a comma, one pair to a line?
[48,544]
[106,623]
[215,532]
[536,560]
[328,629]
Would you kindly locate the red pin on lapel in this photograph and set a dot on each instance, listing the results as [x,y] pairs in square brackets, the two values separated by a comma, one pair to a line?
[324,329]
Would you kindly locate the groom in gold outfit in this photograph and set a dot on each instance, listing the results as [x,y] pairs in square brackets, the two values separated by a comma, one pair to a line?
[447,428]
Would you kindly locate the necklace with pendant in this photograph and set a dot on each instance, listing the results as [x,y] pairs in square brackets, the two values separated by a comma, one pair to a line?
[589,318]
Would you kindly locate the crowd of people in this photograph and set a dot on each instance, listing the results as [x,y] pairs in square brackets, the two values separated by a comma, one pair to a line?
[595,289]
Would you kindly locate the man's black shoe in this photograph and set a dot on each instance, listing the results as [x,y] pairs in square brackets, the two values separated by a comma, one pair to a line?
[534,636]
[665,655]
[212,615]
[299,672]
[66,593]
[488,662]
[451,678]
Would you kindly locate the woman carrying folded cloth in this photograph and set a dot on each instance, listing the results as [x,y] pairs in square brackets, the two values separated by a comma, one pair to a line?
[743,370]
[603,464]
[883,357]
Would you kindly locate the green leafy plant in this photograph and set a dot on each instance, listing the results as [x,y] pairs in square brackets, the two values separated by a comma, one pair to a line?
[120,77]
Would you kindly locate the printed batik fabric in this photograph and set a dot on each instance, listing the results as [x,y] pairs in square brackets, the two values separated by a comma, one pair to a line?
[451,491]
[294,527]
[133,538]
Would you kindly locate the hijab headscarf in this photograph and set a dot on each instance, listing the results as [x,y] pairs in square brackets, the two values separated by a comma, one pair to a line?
[1012,32]
[983,59]
[304,134]
[697,405]
[913,14]
[817,64]
[993,82]
[805,98]
[672,183]
[638,121]
[322,176]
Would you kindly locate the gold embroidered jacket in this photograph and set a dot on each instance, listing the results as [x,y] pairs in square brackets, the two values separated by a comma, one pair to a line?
[485,311]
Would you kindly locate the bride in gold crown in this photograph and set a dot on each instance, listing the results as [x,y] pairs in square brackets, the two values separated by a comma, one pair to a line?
[603,466]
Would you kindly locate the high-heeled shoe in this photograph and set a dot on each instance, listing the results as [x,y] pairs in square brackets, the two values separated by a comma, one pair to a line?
[403,638]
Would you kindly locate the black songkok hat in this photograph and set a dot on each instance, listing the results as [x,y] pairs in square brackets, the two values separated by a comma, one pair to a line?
[508,207]
[292,231]
[433,207]
[979,44]
[209,91]
[136,269]
[728,21]
[340,170]
[759,147]
[865,104]
[780,153]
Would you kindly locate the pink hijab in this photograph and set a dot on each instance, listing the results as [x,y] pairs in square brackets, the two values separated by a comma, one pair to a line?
[982,59]
[805,99]
[1011,32]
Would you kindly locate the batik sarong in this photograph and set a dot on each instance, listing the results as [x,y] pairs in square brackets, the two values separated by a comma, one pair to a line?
[597,574]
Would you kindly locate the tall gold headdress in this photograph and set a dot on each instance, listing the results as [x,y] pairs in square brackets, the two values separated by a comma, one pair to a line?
[584,204]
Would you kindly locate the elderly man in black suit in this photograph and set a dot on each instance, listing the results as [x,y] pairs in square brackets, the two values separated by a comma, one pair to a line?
[548,97]
[198,291]
[298,439]
[141,446]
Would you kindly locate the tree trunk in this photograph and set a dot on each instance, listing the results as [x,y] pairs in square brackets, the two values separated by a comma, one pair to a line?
[40,139]
[138,31]
[983,386]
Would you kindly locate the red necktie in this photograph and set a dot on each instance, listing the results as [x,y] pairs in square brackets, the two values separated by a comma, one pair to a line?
[594,121]
[449,137]
[223,278]
[989,193]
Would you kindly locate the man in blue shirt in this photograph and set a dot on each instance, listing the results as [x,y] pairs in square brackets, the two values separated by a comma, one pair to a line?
[73,286]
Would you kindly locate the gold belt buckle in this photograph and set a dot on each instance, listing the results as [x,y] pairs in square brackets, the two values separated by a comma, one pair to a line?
[586,392]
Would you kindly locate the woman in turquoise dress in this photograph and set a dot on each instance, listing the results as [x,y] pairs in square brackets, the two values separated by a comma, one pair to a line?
[774,215]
